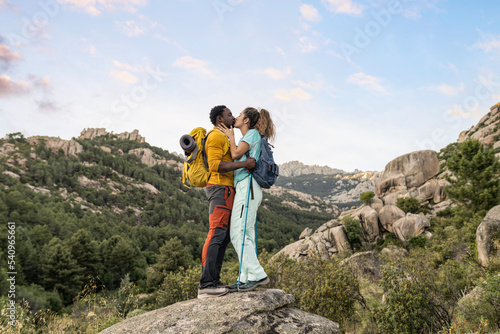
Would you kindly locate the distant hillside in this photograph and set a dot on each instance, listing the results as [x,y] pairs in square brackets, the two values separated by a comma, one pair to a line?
[340,189]
[296,168]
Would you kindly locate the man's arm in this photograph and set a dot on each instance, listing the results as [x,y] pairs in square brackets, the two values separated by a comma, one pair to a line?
[225,166]
[214,151]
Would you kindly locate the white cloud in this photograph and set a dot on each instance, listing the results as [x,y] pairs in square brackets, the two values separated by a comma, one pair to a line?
[92,50]
[296,93]
[471,112]
[343,7]
[306,45]
[42,83]
[450,90]
[5,6]
[489,43]
[309,13]
[47,105]
[367,81]
[7,56]
[11,88]
[453,68]
[96,7]
[274,73]
[194,65]
[124,76]
[141,26]
[314,85]
[127,67]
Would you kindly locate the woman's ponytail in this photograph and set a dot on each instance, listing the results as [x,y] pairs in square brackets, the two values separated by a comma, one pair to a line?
[265,124]
[261,121]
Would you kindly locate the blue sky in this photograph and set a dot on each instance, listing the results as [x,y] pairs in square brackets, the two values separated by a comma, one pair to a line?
[349,83]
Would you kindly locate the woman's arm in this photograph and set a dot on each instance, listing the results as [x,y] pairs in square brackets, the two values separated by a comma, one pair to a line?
[237,151]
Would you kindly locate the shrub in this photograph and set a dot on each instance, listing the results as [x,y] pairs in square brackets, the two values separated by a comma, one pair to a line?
[408,204]
[329,289]
[354,231]
[367,197]
[178,286]
[39,299]
[484,304]
[417,241]
[409,306]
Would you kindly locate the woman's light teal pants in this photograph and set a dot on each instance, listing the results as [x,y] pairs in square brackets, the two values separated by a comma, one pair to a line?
[251,270]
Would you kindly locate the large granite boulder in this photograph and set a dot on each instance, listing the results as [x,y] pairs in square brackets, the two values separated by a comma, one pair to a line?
[389,215]
[407,171]
[368,218]
[410,226]
[260,311]
[486,231]
[367,265]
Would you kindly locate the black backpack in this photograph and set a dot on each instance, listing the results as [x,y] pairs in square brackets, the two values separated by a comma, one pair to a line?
[266,171]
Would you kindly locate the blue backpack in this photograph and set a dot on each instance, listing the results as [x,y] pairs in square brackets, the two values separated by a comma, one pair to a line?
[266,171]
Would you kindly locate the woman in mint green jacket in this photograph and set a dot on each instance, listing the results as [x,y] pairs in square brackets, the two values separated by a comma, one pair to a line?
[253,124]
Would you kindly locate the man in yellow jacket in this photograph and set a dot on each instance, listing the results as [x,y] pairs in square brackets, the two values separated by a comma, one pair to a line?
[220,193]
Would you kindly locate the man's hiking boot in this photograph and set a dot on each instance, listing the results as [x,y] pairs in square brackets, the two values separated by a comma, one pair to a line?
[252,285]
[221,285]
[212,291]
[234,287]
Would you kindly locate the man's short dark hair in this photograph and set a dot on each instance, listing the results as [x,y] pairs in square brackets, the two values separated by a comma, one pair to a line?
[216,111]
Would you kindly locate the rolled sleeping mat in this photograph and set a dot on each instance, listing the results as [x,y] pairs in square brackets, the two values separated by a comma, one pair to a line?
[187,144]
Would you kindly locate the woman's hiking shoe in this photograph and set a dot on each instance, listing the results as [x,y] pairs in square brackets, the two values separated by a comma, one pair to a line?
[234,287]
[212,291]
[252,285]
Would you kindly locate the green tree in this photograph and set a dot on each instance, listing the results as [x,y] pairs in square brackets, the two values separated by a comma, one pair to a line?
[120,257]
[85,251]
[475,182]
[16,137]
[367,197]
[173,255]
[408,204]
[354,231]
[60,271]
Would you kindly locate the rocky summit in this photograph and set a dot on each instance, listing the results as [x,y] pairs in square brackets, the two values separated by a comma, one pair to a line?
[260,311]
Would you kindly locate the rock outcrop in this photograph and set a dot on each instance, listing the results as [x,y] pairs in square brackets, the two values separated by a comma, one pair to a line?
[487,130]
[329,239]
[368,217]
[92,133]
[408,171]
[409,226]
[367,265]
[292,198]
[69,147]
[149,158]
[388,215]
[296,168]
[488,230]
[261,311]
